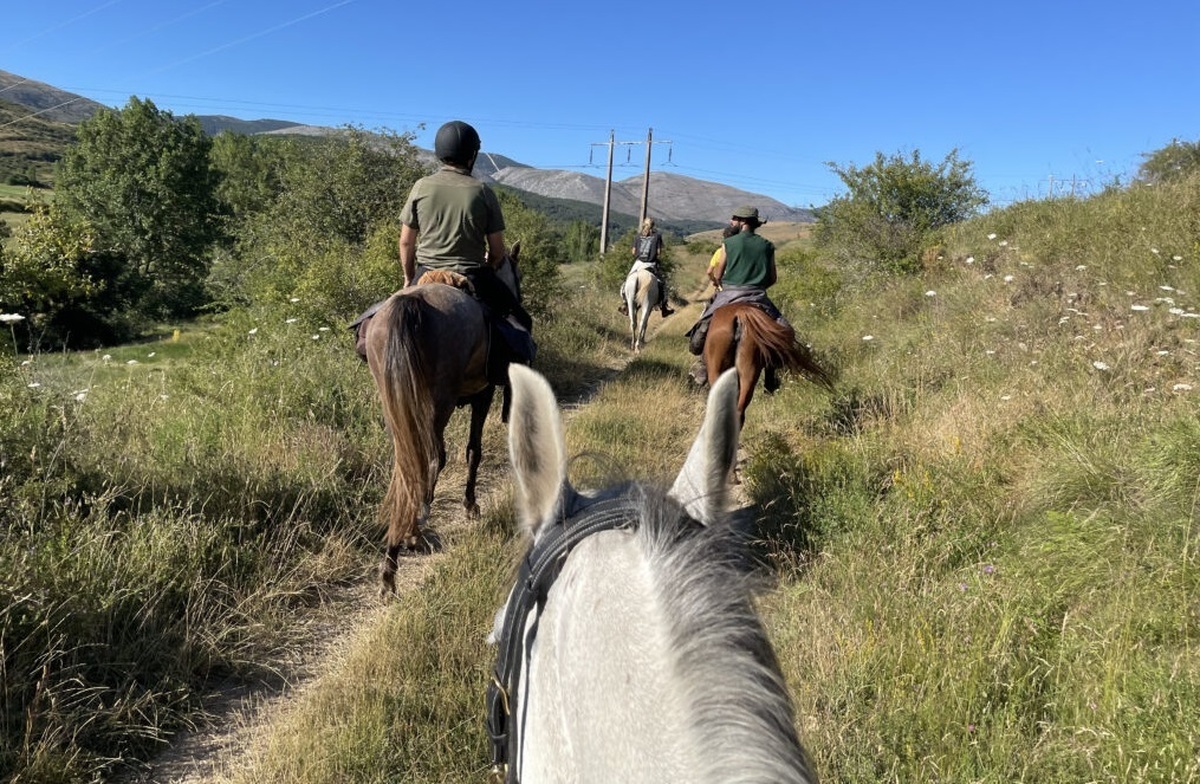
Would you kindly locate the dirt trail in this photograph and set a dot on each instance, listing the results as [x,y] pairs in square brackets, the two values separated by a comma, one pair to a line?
[240,715]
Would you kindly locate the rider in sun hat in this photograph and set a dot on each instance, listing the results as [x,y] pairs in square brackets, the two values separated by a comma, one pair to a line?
[742,270]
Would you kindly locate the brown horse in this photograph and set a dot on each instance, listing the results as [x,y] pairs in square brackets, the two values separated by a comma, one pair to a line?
[427,349]
[743,336]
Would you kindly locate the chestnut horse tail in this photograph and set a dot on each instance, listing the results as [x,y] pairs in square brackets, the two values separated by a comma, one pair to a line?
[408,410]
[776,345]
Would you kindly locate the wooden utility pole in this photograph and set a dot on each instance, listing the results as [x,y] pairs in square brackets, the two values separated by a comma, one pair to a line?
[646,179]
[611,143]
[607,196]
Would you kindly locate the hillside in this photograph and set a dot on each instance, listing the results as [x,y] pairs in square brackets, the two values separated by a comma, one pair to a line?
[682,204]
[29,145]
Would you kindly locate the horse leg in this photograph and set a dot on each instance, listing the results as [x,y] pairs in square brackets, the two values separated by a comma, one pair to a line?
[749,370]
[480,405]
[387,571]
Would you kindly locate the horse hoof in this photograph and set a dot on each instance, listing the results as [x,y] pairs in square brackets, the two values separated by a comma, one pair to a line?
[472,511]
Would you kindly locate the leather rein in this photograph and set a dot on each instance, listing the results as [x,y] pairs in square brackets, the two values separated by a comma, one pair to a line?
[539,569]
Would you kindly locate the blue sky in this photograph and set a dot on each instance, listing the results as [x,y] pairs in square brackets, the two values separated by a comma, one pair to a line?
[759,96]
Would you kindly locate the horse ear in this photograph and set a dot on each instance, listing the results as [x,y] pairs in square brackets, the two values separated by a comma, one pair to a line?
[702,486]
[536,448]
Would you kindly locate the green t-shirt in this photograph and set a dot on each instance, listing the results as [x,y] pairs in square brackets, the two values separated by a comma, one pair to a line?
[748,260]
[452,213]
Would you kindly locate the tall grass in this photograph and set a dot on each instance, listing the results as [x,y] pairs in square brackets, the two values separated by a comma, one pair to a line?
[1012,597]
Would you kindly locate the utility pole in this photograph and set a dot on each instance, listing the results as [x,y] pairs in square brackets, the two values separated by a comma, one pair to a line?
[646,179]
[607,196]
[611,143]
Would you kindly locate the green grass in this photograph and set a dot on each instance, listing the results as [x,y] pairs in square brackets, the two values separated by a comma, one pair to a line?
[986,541]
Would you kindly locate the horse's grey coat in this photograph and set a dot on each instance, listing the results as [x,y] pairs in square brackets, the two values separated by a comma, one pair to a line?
[649,663]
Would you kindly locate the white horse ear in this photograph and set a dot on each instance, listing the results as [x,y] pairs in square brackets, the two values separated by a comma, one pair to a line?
[536,448]
[702,486]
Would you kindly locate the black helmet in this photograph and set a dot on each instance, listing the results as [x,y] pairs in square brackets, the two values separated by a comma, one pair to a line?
[456,143]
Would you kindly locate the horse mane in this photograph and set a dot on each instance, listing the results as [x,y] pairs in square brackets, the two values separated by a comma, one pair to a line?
[706,584]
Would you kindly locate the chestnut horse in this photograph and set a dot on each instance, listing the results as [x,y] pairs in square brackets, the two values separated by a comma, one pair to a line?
[427,348]
[744,336]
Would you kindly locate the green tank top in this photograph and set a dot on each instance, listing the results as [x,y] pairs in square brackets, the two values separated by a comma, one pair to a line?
[747,260]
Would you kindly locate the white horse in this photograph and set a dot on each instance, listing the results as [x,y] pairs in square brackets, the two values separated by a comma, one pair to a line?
[630,650]
[641,294]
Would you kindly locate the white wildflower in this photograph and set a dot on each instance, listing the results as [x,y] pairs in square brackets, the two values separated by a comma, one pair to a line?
[151,354]
[992,236]
[33,384]
[316,337]
[291,321]
[323,329]
[131,362]
[294,300]
[1177,258]
[1006,397]
[1100,365]
[1008,278]
[868,337]
[931,293]
[1163,353]
[1154,251]
[1176,311]
[970,259]
[106,358]
[81,396]
[1167,288]
[27,362]
[1003,243]
[1080,267]
[1182,388]
[253,331]
[989,352]
[1139,307]
[11,318]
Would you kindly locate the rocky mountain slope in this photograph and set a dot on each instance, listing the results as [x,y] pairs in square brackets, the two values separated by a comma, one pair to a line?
[674,198]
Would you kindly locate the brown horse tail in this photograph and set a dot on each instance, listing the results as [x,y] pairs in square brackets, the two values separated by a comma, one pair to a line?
[408,409]
[777,345]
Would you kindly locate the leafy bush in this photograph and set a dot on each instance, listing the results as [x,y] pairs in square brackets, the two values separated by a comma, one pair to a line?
[892,206]
[1177,160]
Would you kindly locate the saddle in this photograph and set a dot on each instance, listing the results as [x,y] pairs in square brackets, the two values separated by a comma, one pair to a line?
[509,342]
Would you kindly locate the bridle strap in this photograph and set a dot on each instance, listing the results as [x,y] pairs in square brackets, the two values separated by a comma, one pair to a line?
[538,571]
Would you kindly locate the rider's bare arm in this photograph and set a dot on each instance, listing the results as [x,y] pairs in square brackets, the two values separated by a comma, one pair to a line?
[496,249]
[408,253]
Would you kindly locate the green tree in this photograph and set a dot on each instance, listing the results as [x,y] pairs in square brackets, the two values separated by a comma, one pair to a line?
[892,206]
[541,253]
[581,240]
[1175,161]
[141,180]
[313,218]
[72,294]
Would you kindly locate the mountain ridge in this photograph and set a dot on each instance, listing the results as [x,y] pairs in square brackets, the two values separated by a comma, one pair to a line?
[673,198]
